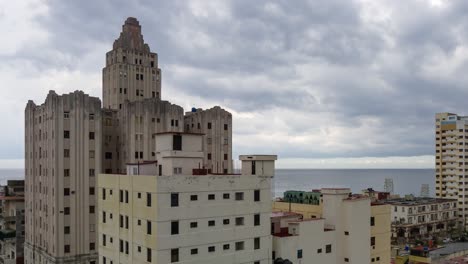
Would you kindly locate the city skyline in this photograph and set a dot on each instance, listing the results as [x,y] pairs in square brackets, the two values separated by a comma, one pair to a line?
[332,84]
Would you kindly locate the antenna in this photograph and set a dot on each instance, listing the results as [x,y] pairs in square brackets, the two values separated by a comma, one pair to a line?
[424,190]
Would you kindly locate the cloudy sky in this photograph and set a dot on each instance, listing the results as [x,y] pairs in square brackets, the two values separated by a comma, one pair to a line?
[334,84]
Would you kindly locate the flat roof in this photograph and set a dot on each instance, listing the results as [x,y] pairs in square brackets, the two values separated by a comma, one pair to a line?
[145,162]
[279,214]
[417,201]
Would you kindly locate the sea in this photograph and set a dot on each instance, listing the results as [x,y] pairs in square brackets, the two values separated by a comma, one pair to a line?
[405,181]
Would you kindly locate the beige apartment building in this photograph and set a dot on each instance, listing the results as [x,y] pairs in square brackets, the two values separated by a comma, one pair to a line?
[71,138]
[344,228]
[451,147]
[174,211]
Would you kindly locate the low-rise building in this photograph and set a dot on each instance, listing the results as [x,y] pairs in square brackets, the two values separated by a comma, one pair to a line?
[172,210]
[419,218]
[12,222]
[355,230]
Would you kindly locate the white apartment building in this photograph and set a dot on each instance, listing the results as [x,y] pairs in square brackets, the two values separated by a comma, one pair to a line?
[173,211]
[349,230]
[417,217]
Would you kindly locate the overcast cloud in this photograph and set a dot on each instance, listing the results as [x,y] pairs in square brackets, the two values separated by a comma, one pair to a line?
[340,83]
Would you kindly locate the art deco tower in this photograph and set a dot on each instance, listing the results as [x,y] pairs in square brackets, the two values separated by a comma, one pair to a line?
[131,71]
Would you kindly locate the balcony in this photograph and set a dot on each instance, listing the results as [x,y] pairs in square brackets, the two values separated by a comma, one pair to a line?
[6,234]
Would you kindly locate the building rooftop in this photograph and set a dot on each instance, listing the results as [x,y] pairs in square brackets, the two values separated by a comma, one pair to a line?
[284,214]
[417,201]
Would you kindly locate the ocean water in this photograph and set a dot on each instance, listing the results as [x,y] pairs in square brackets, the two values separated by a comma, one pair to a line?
[405,181]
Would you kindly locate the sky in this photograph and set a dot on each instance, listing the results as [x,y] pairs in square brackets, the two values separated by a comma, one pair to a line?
[322,84]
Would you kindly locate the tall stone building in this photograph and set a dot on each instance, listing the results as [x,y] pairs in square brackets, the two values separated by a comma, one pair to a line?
[216,126]
[62,156]
[451,147]
[131,71]
[71,138]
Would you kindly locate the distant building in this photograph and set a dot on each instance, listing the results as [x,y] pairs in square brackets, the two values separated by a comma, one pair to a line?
[173,210]
[343,228]
[417,217]
[302,197]
[451,153]
[12,222]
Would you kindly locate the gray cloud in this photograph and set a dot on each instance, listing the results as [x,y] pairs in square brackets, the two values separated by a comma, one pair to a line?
[313,79]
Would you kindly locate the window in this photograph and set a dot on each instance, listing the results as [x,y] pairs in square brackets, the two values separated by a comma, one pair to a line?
[299,253]
[240,245]
[148,199]
[66,153]
[103,194]
[257,244]
[328,248]
[193,225]
[226,246]
[91,154]
[91,172]
[121,196]
[91,209]
[211,223]
[239,196]
[211,249]
[148,227]
[177,170]
[256,195]
[319,251]
[66,115]
[256,219]
[239,221]
[66,248]
[149,255]
[347,260]
[121,246]
[225,195]
[92,246]
[253,167]
[372,241]
[372,221]
[104,217]
[91,190]
[177,142]
[225,126]
[91,135]
[225,156]
[194,251]
[193,197]
[211,196]
[346,233]
[226,221]
[174,199]
[66,134]
[104,239]
[66,172]
[66,191]
[121,221]
[209,125]
[174,227]
[174,255]
[108,155]
[209,156]
[66,230]
[126,196]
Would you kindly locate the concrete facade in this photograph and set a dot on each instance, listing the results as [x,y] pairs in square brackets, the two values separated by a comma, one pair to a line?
[216,125]
[360,229]
[132,72]
[451,153]
[62,157]
[180,213]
